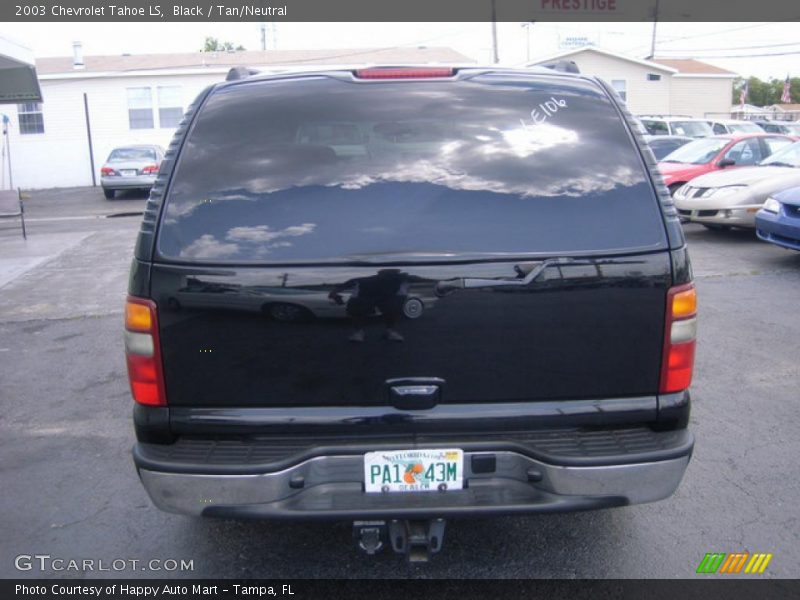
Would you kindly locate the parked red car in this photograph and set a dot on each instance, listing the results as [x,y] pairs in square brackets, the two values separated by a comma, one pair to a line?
[716,152]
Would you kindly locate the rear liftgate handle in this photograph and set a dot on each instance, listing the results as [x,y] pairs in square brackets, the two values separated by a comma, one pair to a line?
[415,393]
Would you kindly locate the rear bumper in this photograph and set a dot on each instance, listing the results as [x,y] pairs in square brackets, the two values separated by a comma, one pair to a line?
[124,183]
[555,472]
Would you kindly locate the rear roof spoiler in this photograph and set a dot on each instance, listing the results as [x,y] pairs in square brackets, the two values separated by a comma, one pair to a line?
[565,66]
[237,73]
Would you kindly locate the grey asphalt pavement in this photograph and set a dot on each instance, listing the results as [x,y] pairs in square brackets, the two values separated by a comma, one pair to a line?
[69,489]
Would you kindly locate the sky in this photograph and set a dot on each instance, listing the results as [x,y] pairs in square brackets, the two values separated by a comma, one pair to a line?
[714,43]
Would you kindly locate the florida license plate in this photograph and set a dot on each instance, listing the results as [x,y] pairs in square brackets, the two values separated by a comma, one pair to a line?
[414,470]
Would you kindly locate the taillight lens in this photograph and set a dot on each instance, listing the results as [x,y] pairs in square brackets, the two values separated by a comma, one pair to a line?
[107,171]
[150,169]
[679,339]
[143,352]
[404,72]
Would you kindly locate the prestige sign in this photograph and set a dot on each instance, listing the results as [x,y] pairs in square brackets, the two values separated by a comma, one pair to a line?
[579,5]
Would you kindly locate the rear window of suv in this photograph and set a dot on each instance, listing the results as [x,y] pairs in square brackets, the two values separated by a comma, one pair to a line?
[320,169]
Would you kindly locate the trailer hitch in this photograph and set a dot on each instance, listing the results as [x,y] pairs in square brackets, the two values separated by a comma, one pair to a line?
[416,539]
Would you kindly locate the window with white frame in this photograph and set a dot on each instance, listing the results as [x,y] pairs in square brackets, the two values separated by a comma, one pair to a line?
[170,106]
[140,108]
[621,87]
[30,118]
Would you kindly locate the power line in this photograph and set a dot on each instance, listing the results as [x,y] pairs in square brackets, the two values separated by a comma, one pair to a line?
[734,48]
[661,42]
[713,56]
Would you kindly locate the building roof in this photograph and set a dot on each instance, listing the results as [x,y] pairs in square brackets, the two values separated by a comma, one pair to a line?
[18,81]
[251,58]
[574,51]
[785,107]
[686,66]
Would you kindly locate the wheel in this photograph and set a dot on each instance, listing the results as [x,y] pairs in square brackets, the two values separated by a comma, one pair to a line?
[413,308]
[715,227]
[109,194]
[173,304]
[287,313]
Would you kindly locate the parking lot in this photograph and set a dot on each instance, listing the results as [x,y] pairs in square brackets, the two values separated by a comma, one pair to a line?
[70,489]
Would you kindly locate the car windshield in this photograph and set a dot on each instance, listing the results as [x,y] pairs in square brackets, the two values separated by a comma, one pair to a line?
[120,154]
[787,157]
[698,152]
[744,128]
[691,128]
[319,169]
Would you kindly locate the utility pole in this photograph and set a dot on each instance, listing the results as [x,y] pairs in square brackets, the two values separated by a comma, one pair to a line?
[527,27]
[263,36]
[653,40]
[495,56]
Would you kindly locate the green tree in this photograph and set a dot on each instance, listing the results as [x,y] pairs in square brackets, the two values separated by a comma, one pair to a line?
[765,93]
[212,44]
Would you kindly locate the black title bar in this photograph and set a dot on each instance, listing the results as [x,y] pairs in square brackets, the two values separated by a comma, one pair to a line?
[397,10]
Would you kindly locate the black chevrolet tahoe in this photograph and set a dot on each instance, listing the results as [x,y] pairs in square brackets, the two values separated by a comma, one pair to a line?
[397,295]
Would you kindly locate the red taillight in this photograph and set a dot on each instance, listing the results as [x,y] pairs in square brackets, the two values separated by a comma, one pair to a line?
[150,169]
[143,352]
[679,339]
[404,72]
[106,171]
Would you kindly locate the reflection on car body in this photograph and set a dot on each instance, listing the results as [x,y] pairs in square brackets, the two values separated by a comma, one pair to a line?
[286,304]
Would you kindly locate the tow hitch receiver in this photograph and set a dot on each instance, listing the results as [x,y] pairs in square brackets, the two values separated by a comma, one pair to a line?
[370,535]
[417,539]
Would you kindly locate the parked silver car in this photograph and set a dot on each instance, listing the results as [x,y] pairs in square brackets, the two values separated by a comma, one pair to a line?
[731,198]
[130,167]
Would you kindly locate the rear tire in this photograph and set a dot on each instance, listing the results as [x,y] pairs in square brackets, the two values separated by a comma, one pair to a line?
[413,308]
[715,227]
[283,312]
[109,194]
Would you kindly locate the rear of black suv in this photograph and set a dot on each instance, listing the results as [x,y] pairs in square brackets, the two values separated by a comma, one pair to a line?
[409,294]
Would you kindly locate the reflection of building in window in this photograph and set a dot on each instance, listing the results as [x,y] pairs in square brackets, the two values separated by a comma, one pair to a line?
[140,108]
[170,106]
[621,87]
[30,118]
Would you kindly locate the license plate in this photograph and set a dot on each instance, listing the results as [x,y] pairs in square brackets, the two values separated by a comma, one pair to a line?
[128,172]
[414,470]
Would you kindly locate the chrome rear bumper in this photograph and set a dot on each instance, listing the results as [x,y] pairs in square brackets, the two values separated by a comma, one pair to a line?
[331,487]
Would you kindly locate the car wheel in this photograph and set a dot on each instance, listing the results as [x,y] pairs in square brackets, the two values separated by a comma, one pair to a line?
[287,313]
[173,304]
[715,227]
[109,194]
[413,308]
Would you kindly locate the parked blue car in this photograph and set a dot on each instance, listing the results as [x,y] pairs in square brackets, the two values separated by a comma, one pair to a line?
[778,221]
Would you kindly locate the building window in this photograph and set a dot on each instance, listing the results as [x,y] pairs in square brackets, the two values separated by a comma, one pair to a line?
[621,87]
[30,118]
[653,77]
[140,108]
[170,106]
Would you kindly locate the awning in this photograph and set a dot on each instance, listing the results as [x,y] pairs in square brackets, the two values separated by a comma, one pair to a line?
[18,81]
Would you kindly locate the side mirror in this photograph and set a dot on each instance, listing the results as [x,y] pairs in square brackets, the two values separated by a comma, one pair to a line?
[726,162]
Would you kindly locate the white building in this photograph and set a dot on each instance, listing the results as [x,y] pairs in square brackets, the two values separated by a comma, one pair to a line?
[105,101]
[657,86]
